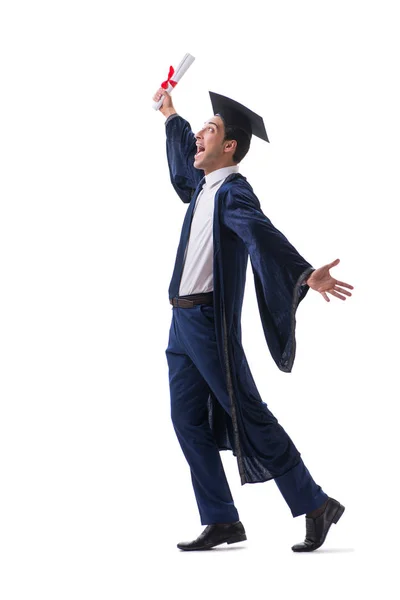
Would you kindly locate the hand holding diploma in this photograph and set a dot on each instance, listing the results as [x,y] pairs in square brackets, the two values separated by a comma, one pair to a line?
[167,108]
[174,76]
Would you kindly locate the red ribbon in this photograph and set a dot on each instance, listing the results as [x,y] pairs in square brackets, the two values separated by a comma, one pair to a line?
[164,84]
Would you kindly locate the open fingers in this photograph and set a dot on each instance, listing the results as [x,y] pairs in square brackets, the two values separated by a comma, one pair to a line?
[336,294]
[345,284]
[324,295]
[341,290]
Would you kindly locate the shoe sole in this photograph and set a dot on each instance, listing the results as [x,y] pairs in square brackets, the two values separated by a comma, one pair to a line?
[232,540]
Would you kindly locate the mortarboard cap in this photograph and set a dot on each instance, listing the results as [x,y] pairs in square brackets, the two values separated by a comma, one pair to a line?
[237,115]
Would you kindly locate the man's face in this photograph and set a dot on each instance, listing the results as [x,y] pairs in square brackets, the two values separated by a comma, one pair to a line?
[212,152]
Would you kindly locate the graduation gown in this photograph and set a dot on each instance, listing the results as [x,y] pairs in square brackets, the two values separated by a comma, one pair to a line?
[241,230]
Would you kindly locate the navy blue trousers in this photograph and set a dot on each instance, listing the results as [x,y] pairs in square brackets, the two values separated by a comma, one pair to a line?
[194,370]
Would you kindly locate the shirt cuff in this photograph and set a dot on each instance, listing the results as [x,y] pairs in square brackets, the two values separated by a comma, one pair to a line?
[171,117]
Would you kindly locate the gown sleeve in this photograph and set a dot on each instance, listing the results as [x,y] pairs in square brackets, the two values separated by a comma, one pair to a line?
[181,148]
[279,271]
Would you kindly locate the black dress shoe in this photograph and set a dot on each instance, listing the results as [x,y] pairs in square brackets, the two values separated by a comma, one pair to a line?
[317,529]
[214,535]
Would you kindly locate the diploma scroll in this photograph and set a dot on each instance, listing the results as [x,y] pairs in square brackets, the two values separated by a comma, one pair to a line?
[174,77]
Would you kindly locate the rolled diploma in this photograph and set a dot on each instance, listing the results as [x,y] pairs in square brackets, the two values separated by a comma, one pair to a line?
[181,69]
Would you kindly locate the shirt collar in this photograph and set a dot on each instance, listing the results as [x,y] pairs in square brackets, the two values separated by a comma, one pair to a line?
[220,174]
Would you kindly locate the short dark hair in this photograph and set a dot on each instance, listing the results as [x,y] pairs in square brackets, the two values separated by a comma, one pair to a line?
[243,141]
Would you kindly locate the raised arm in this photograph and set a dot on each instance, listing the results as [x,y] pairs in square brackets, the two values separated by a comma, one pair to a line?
[181,148]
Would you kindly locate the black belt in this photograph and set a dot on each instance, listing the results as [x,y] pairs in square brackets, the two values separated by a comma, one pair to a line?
[192,299]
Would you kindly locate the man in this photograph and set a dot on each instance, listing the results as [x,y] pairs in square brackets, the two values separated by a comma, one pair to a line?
[215,404]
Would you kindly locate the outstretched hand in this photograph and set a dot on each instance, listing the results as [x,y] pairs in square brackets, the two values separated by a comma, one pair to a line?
[321,281]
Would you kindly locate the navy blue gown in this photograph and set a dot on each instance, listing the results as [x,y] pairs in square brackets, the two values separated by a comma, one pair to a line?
[238,419]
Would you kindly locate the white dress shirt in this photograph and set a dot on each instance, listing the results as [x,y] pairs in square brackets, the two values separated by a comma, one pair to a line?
[197,276]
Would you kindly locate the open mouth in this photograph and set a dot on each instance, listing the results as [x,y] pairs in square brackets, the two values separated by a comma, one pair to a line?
[200,150]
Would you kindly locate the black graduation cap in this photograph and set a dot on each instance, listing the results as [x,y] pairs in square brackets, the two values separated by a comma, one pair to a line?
[236,115]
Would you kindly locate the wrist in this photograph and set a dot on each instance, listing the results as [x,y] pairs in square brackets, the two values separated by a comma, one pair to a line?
[168,112]
[307,280]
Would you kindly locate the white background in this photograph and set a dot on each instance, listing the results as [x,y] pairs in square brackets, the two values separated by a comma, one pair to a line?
[95,492]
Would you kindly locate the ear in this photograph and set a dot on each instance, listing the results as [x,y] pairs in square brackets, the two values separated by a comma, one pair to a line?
[230,146]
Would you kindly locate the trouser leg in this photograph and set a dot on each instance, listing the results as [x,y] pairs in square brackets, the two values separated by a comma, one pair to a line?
[264,434]
[189,394]
[300,491]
